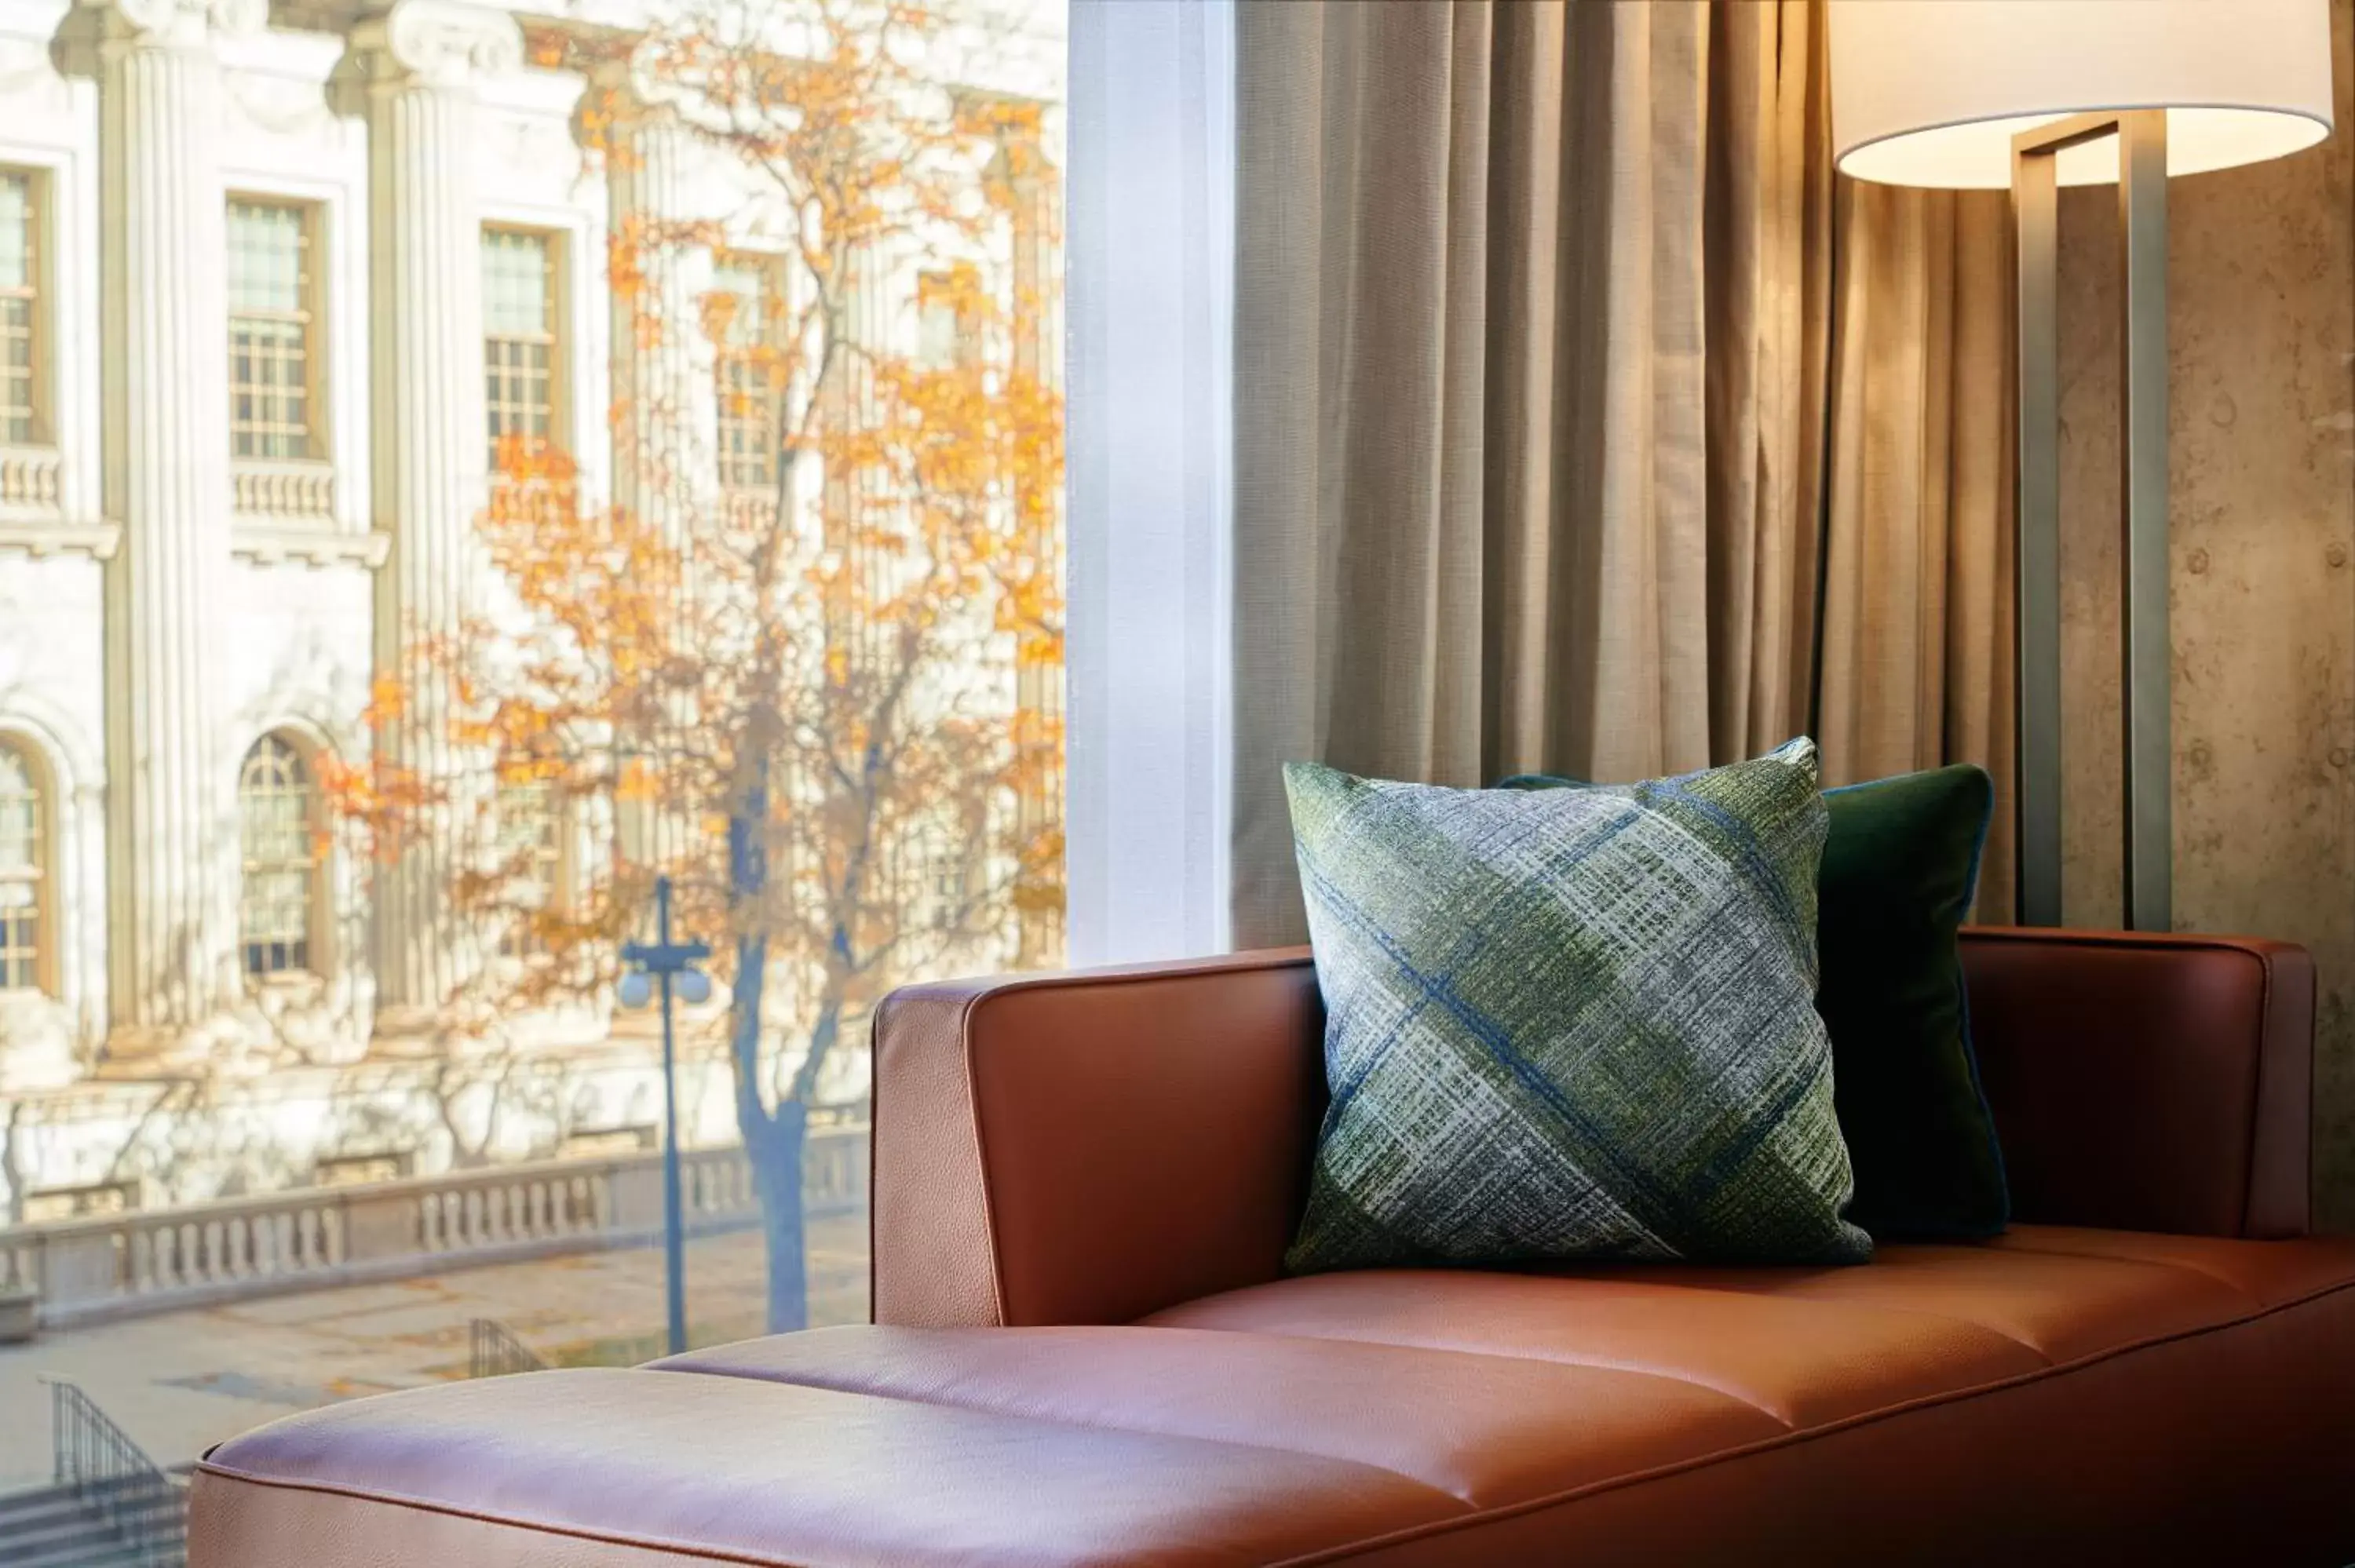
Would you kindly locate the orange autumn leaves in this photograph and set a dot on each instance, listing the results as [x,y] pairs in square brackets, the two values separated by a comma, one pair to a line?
[823,695]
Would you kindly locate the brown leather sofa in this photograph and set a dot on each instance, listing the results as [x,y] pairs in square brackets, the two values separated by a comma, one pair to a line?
[1084,1350]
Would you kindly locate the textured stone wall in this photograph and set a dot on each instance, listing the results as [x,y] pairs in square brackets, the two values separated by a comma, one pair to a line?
[2262,324]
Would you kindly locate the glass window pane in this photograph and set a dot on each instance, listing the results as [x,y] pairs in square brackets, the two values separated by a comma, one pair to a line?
[19,308]
[746,283]
[16,230]
[19,806]
[269,330]
[276,826]
[516,293]
[749,399]
[622,625]
[22,829]
[528,846]
[519,383]
[265,256]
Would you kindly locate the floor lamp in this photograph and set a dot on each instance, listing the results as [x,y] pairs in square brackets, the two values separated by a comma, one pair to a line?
[2032,95]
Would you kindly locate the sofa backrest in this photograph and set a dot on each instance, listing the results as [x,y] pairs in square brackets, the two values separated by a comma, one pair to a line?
[1093,1146]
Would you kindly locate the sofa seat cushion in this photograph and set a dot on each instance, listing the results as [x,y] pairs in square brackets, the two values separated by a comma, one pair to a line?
[2055,1390]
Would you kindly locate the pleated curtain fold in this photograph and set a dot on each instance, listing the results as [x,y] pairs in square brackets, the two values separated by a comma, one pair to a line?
[1916,620]
[1583,426]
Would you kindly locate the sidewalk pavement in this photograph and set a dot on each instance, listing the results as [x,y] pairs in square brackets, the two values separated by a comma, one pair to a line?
[180,1381]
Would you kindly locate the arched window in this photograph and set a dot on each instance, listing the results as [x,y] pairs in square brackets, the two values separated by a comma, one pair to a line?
[24,833]
[277,827]
[531,845]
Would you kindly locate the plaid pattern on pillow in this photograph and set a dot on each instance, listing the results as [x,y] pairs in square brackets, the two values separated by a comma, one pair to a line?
[1571,1023]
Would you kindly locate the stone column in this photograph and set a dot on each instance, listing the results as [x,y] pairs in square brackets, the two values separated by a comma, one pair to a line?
[172,843]
[858,318]
[665,447]
[418,61]
[665,424]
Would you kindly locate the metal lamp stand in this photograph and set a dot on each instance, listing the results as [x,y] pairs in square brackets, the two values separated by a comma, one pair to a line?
[2142,212]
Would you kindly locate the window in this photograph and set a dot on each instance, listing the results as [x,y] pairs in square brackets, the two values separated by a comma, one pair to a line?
[24,829]
[948,887]
[946,334]
[751,398]
[521,362]
[436,787]
[277,825]
[931,877]
[20,310]
[531,847]
[271,311]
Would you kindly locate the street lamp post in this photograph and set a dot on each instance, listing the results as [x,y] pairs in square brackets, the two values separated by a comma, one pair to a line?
[672,964]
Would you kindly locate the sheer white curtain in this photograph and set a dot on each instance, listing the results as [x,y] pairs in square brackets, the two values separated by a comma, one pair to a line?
[1150,303]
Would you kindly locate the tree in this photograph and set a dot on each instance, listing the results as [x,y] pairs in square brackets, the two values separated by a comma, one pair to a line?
[822,697]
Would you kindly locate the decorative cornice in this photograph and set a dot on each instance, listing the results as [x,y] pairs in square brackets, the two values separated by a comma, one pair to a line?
[567,43]
[269,545]
[434,43]
[39,540]
[182,23]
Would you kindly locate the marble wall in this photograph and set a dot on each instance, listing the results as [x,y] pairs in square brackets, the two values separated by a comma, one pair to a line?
[2262,328]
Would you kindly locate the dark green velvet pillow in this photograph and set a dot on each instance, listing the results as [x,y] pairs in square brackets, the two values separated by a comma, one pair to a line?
[1898,871]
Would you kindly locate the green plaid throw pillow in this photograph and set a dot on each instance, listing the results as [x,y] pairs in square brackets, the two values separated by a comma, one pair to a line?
[1572,1022]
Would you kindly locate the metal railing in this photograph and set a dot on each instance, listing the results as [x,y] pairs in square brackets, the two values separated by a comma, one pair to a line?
[493,1350]
[110,1266]
[114,1478]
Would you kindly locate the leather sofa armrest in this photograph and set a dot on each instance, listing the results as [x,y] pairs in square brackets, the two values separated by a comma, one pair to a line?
[2147,1082]
[1093,1146]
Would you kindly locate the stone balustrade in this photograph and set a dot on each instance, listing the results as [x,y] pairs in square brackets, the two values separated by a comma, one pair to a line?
[295,489]
[29,480]
[129,1265]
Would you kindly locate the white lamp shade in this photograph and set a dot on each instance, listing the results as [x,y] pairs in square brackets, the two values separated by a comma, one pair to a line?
[1931,92]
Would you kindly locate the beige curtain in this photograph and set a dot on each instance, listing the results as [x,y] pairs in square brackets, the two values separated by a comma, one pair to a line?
[1557,448]
[1916,666]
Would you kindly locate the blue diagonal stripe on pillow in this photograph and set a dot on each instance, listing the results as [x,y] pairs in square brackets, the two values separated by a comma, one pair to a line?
[1655,1206]
[1761,879]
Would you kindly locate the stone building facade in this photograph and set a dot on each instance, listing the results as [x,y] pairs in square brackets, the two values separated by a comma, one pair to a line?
[269,273]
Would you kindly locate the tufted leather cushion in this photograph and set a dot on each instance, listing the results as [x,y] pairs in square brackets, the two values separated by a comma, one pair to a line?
[2057,1390]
